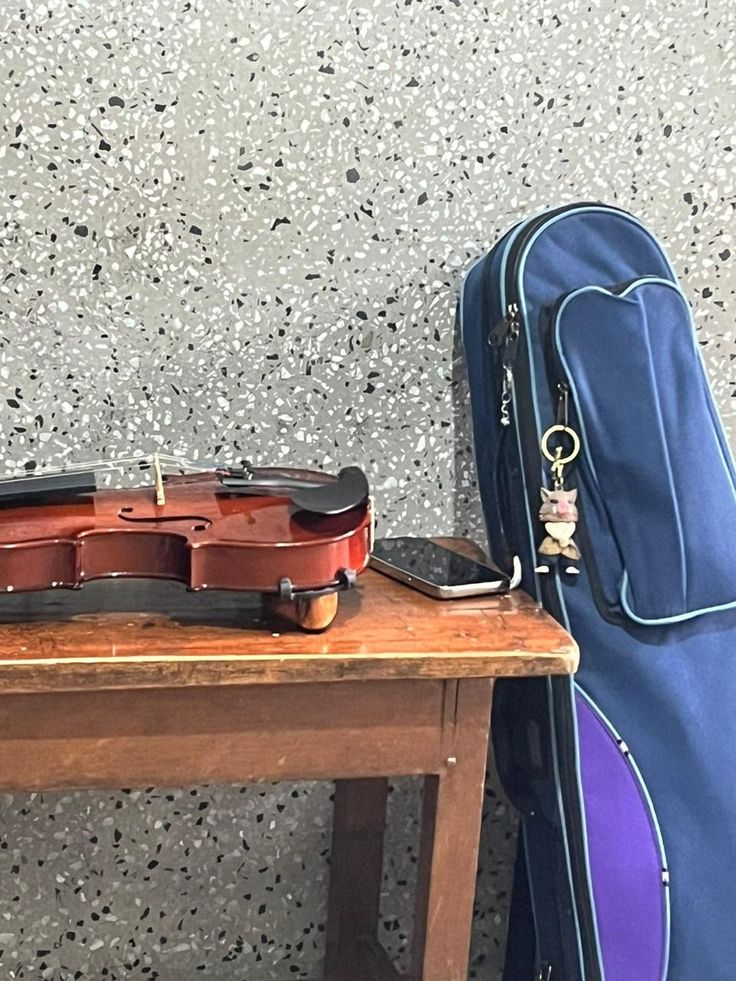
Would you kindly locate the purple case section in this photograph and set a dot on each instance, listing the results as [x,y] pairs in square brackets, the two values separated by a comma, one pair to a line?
[627,864]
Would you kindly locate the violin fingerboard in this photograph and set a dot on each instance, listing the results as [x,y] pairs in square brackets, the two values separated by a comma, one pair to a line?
[31,490]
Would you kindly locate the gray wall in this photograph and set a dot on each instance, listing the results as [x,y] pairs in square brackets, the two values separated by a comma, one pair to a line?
[241,225]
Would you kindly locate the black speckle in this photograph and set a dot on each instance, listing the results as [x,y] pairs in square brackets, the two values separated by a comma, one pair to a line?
[195,229]
[353,176]
[280,221]
[115,100]
[81,230]
[422,198]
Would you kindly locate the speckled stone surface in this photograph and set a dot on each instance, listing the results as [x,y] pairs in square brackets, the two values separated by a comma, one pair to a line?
[239,228]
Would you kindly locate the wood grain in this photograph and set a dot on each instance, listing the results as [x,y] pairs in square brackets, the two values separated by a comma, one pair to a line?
[195,688]
[224,734]
[77,640]
[356,871]
[448,856]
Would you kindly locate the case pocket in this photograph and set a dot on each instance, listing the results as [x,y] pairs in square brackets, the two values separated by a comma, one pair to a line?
[654,446]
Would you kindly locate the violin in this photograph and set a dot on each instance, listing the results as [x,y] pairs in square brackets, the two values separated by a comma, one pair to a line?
[298,536]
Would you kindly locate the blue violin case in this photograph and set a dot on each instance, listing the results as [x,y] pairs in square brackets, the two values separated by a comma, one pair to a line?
[625,776]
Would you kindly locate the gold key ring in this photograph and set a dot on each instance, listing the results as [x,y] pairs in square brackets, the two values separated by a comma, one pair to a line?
[561,461]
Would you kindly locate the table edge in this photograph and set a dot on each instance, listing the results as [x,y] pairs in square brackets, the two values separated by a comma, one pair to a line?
[171,671]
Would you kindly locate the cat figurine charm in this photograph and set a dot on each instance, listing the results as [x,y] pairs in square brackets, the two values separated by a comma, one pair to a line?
[559,514]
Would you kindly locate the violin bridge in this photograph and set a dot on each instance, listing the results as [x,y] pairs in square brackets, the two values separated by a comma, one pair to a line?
[158,481]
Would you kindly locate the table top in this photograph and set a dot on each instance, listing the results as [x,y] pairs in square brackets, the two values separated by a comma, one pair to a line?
[89,638]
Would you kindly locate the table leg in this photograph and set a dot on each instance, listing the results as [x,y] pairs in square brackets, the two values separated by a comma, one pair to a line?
[356,868]
[448,857]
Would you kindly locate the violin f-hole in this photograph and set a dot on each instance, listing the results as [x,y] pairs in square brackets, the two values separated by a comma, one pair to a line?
[197,521]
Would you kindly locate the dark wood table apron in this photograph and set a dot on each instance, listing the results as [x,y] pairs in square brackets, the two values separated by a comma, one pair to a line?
[202,689]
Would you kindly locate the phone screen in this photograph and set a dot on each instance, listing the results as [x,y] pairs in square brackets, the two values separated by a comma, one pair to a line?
[440,566]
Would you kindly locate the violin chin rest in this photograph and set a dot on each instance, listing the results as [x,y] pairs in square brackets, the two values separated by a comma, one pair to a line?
[349,491]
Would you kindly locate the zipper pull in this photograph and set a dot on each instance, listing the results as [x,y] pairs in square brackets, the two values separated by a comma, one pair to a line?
[506,327]
[507,388]
[563,403]
[506,332]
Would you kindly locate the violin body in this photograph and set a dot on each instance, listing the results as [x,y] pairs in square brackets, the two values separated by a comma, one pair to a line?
[202,536]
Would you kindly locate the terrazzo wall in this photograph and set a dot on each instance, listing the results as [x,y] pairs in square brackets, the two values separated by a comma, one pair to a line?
[237,228]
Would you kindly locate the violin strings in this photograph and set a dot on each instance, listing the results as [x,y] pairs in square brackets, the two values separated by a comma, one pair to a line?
[143,461]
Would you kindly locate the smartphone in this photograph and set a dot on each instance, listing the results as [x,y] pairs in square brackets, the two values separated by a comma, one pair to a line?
[436,570]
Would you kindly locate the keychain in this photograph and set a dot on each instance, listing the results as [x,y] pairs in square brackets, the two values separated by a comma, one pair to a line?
[558,510]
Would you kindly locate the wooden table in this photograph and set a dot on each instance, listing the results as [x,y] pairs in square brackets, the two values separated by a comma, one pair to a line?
[198,688]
